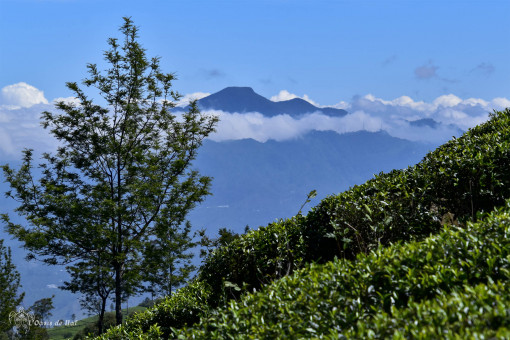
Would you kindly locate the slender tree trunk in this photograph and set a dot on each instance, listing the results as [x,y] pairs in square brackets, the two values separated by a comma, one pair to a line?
[100,323]
[118,294]
[170,281]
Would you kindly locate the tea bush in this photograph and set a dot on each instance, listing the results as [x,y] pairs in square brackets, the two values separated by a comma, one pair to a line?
[451,184]
[256,258]
[184,307]
[470,312]
[391,291]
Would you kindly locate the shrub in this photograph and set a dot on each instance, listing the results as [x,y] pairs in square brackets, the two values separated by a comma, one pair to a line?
[375,292]
[254,259]
[464,176]
[449,186]
[184,307]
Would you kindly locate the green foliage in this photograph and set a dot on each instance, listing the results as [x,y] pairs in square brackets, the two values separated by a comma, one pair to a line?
[184,307]
[391,291]
[255,259]
[10,298]
[68,331]
[42,308]
[167,261]
[120,179]
[351,285]
[462,177]
[147,302]
[94,328]
[209,245]
[469,312]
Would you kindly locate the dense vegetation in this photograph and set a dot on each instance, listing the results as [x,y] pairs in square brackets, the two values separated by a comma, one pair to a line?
[354,273]
[10,298]
[443,284]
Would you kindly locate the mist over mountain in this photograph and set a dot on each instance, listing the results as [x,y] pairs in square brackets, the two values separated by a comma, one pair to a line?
[245,114]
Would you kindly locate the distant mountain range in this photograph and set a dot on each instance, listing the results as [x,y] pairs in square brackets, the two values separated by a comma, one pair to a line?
[255,183]
[244,99]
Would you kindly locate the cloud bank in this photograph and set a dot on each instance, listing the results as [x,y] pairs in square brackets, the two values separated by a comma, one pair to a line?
[433,122]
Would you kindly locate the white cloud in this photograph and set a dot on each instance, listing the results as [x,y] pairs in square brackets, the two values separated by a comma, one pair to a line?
[5,142]
[52,286]
[286,95]
[500,103]
[342,105]
[20,128]
[186,99]
[453,114]
[21,95]
[283,95]
[283,127]
[20,121]
[449,100]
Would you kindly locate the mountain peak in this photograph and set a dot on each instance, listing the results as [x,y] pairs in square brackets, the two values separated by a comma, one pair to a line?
[237,90]
[245,99]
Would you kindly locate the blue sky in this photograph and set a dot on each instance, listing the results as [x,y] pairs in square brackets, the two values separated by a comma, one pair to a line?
[328,50]
[386,62]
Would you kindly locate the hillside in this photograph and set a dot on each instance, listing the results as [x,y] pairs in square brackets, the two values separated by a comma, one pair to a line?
[415,244]
[452,284]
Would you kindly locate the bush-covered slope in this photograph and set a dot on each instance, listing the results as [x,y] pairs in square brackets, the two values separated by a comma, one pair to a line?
[464,176]
[452,284]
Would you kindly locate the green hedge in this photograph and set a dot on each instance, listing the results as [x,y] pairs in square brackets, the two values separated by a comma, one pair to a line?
[371,296]
[254,259]
[185,307]
[470,312]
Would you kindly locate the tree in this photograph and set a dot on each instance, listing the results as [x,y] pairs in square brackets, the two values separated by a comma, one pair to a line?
[95,281]
[42,308]
[122,175]
[9,285]
[172,250]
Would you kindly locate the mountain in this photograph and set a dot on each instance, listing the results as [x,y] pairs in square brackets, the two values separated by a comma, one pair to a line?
[255,183]
[244,99]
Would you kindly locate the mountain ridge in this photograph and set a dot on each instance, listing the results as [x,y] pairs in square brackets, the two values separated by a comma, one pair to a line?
[245,99]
